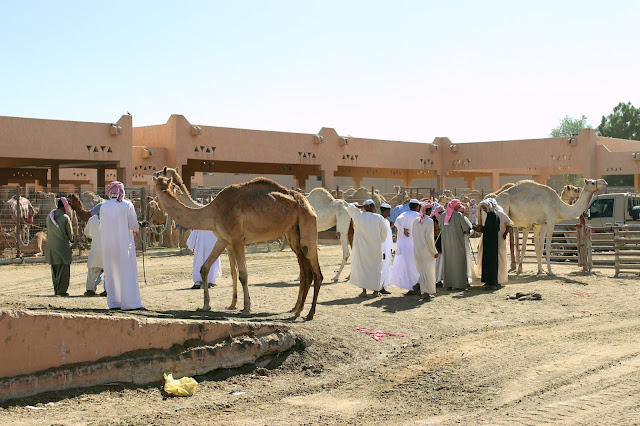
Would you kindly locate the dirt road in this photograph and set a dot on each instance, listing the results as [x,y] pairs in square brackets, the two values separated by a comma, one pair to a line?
[471,357]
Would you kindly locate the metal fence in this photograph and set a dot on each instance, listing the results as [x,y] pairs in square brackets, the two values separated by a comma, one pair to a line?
[23,236]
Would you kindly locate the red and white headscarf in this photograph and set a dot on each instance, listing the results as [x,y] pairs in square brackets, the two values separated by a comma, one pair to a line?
[424,206]
[67,210]
[450,209]
[116,188]
[437,211]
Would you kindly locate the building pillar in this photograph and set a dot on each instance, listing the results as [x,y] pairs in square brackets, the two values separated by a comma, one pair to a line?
[541,179]
[120,175]
[55,177]
[440,183]
[356,181]
[471,180]
[187,174]
[406,179]
[494,181]
[301,181]
[636,182]
[100,181]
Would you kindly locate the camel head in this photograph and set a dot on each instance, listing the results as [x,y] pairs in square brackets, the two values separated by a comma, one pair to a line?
[172,173]
[570,194]
[593,185]
[74,200]
[164,184]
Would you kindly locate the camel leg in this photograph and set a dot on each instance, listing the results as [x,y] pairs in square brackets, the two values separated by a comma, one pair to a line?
[234,276]
[344,241]
[218,248]
[241,263]
[309,248]
[523,248]
[294,242]
[538,242]
[512,236]
[548,237]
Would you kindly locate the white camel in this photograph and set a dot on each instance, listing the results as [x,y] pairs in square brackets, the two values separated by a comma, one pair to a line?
[332,212]
[532,204]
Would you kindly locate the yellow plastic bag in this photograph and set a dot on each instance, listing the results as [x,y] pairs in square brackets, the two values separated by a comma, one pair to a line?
[186,386]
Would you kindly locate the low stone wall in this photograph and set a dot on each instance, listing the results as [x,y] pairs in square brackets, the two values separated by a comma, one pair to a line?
[42,352]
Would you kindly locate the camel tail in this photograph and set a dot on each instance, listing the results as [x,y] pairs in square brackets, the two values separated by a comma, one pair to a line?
[350,233]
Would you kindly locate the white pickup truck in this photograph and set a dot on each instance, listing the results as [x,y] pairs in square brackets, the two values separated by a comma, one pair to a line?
[615,209]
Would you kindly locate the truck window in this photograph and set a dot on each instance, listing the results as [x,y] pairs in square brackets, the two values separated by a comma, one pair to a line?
[601,208]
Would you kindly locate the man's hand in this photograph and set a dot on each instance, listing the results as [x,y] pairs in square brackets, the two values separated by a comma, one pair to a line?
[143,224]
[504,236]
[406,232]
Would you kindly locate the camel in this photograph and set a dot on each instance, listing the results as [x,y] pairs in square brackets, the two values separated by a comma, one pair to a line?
[256,211]
[570,194]
[76,205]
[35,247]
[529,204]
[332,212]
[90,199]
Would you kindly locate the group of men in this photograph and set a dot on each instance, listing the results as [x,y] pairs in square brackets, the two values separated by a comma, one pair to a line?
[113,249]
[433,248]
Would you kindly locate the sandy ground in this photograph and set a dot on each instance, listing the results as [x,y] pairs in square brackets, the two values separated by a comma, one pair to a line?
[472,357]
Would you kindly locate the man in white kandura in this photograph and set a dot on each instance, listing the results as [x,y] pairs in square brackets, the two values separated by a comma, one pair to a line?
[201,243]
[403,272]
[118,222]
[370,231]
[387,248]
[425,252]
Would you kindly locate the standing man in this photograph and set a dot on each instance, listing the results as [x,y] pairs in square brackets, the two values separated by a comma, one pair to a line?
[201,243]
[435,216]
[370,231]
[57,253]
[404,273]
[454,248]
[387,247]
[94,262]
[398,210]
[505,226]
[425,251]
[118,222]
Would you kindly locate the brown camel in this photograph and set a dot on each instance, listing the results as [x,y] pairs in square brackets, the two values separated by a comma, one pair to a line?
[256,211]
[182,193]
[76,205]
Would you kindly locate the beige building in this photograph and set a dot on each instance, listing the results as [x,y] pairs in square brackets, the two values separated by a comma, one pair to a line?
[36,152]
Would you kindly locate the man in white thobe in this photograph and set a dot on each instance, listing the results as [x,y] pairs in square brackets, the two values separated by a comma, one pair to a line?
[118,222]
[387,248]
[425,252]
[403,272]
[94,261]
[370,231]
[201,243]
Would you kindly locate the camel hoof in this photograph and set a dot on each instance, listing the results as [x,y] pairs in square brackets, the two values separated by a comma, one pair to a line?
[204,309]
[231,307]
[335,280]
[245,311]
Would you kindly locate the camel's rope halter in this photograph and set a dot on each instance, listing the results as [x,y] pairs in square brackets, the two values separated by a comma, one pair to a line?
[162,228]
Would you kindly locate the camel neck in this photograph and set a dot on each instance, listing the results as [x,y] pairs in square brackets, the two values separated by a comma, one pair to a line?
[186,216]
[572,211]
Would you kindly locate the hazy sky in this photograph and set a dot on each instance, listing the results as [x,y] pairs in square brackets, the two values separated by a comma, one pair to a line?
[400,70]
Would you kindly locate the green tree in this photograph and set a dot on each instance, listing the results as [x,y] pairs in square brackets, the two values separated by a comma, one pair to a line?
[570,127]
[622,123]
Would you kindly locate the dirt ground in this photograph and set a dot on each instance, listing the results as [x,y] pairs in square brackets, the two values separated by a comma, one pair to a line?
[471,357]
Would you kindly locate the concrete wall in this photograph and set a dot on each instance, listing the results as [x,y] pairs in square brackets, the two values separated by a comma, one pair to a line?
[34,342]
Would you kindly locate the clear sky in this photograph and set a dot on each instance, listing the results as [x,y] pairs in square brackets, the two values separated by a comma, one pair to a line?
[400,70]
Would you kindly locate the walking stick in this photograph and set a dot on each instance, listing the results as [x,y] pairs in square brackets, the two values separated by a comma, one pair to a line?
[143,224]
